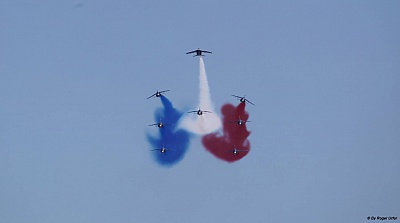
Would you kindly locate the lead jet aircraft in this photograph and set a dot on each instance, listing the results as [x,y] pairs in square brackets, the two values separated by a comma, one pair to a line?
[235,150]
[198,52]
[239,121]
[242,99]
[160,124]
[163,149]
[157,94]
[199,112]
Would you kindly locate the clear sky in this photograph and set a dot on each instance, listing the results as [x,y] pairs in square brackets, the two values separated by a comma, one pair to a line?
[325,130]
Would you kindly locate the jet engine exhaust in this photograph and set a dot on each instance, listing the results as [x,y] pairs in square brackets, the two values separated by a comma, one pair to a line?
[206,123]
[234,136]
[177,140]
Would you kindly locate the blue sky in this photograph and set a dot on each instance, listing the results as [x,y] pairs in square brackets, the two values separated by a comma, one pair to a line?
[325,131]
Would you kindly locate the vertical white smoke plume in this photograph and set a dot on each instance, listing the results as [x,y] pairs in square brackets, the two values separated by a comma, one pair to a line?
[208,122]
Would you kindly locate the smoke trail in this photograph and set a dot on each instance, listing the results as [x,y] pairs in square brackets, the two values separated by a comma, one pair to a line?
[208,122]
[234,135]
[176,141]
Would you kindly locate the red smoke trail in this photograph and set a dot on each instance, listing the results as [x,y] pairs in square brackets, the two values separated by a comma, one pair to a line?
[234,135]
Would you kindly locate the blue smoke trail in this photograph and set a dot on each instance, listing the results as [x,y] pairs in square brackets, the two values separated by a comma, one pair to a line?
[176,141]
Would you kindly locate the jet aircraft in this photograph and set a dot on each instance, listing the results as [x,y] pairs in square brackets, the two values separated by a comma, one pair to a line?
[239,121]
[163,149]
[157,94]
[242,99]
[234,151]
[199,112]
[198,52]
[160,124]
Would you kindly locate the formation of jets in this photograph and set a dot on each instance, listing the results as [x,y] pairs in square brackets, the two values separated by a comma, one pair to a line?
[199,112]
[198,52]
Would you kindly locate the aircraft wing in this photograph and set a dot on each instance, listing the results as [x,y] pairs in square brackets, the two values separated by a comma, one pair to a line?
[153,124]
[249,102]
[152,96]
[204,51]
[163,91]
[191,52]
[236,96]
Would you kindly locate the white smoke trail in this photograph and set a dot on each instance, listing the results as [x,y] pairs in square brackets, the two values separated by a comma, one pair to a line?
[208,122]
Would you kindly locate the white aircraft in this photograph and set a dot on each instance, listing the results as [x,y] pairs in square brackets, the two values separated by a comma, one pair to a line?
[163,149]
[198,52]
[243,99]
[239,121]
[234,151]
[157,94]
[160,124]
[199,112]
